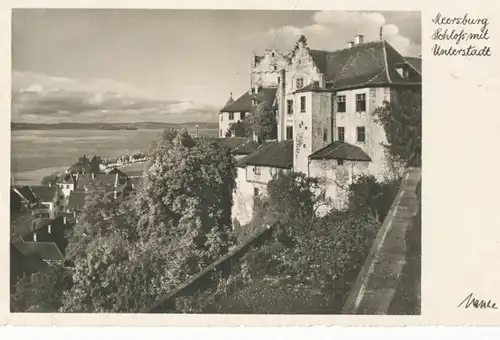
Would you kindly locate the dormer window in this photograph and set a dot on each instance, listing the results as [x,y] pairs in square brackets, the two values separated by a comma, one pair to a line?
[401,72]
[300,83]
[254,102]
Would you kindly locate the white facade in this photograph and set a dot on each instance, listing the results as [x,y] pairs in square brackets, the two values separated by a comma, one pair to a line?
[226,119]
[314,118]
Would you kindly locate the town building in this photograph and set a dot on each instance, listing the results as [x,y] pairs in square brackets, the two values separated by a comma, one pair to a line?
[324,102]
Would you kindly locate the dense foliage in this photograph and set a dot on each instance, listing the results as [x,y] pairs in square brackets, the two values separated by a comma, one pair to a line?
[130,251]
[262,122]
[402,122]
[240,128]
[323,253]
[41,291]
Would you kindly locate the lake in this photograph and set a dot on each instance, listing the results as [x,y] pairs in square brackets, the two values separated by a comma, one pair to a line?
[37,153]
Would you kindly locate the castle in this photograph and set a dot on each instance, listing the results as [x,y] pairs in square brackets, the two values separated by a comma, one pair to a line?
[324,103]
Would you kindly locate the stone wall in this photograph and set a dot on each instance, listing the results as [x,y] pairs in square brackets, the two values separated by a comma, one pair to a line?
[395,254]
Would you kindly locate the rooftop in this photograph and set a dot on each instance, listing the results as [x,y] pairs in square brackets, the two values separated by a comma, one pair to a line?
[272,154]
[26,193]
[44,192]
[341,150]
[246,148]
[371,63]
[46,250]
[107,179]
[244,102]
[76,200]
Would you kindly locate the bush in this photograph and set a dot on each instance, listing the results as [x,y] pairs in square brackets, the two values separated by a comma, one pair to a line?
[368,196]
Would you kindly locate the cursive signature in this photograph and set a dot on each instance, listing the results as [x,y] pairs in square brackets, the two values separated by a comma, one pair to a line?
[470,300]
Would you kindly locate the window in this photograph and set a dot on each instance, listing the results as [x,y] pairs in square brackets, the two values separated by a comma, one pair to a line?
[221,117]
[303,104]
[360,102]
[361,133]
[242,115]
[67,186]
[279,80]
[275,67]
[325,134]
[340,162]
[272,54]
[289,107]
[341,104]
[254,102]
[300,83]
[255,192]
[340,133]
[256,170]
[289,132]
[231,115]
[220,133]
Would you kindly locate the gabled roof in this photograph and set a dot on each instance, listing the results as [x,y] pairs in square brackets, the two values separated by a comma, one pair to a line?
[416,63]
[232,142]
[76,200]
[84,181]
[44,192]
[341,150]
[244,102]
[46,250]
[371,63]
[26,193]
[246,148]
[272,154]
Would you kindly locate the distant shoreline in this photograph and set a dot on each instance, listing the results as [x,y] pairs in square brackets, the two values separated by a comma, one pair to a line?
[112,126]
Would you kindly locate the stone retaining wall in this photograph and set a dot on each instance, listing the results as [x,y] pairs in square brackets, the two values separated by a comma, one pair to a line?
[389,280]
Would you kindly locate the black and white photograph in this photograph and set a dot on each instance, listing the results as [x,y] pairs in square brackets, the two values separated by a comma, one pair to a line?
[215,161]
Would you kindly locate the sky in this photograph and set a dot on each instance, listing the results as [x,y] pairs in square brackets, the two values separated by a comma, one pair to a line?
[115,65]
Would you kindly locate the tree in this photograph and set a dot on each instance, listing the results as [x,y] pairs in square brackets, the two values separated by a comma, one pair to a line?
[94,164]
[129,253]
[402,122]
[52,178]
[41,292]
[325,251]
[263,122]
[241,128]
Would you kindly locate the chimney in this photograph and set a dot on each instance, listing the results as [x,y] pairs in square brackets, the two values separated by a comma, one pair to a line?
[321,81]
[49,228]
[380,34]
[255,137]
[93,175]
[116,180]
[358,39]
[350,44]
[34,237]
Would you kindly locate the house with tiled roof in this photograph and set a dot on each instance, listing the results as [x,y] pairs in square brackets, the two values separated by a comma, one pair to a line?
[325,102]
[255,170]
[48,198]
[66,183]
[244,105]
